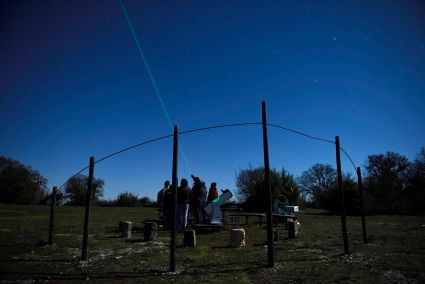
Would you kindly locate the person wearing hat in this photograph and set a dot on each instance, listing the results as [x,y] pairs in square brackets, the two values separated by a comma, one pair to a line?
[212,193]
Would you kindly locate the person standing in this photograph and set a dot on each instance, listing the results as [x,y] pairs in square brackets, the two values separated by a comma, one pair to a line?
[160,199]
[183,199]
[203,200]
[168,206]
[198,199]
[212,193]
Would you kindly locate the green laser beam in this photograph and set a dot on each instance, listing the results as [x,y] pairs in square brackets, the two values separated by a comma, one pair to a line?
[148,69]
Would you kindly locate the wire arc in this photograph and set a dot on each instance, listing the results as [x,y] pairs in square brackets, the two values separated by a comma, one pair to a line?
[209,128]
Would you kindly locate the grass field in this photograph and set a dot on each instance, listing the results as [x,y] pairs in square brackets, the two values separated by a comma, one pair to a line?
[395,253]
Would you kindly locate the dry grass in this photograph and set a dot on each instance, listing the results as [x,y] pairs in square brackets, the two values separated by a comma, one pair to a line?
[395,254]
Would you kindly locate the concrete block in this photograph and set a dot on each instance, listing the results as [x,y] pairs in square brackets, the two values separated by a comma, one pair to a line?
[292,229]
[237,238]
[125,228]
[150,231]
[189,239]
[275,235]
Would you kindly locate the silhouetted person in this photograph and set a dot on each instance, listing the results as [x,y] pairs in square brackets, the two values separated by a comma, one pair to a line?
[183,199]
[212,193]
[204,193]
[198,197]
[168,206]
[160,199]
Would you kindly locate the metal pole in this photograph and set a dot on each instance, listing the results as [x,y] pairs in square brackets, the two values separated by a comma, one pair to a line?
[174,194]
[88,205]
[52,216]
[341,190]
[267,187]
[360,184]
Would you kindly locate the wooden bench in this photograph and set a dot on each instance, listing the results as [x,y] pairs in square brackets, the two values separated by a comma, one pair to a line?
[191,221]
[213,227]
[231,209]
[260,216]
[278,218]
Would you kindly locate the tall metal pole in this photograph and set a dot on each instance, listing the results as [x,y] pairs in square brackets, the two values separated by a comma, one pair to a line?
[174,196]
[360,184]
[267,188]
[341,190]
[52,216]
[88,206]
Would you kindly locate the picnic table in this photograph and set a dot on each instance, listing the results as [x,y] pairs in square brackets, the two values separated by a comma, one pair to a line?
[247,215]
[213,227]
[279,218]
[231,209]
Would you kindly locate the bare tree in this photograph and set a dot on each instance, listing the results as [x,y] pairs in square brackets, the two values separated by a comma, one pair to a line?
[315,181]
[76,190]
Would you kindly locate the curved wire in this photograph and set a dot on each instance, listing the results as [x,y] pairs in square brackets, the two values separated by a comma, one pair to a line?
[300,133]
[208,128]
[116,153]
[219,126]
[79,172]
[315,138]
[348,156]
[131,147]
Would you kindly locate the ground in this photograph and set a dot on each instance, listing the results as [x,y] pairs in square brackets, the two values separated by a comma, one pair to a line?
[395,252]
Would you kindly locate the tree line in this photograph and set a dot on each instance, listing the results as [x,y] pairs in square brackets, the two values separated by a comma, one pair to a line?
[392,185]
[20,184]
[75,194]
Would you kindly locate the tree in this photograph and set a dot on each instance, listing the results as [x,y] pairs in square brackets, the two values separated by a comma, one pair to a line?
[19,183]
[387,176]
[288,181]
[415,191]
[315,181]
[76,189]
[331,198]
[250,184]
[320,184]
[127,199]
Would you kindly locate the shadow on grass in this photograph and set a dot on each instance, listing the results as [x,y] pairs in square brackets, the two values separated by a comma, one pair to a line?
[302,259]
[321,213]
[199,269]
[189,270]
[133,241]
[83,276]
[20,245]
[213,268]
[221,247]
[40,260]
[116,237]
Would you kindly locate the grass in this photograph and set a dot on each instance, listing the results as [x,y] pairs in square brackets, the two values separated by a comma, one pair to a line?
[395,253]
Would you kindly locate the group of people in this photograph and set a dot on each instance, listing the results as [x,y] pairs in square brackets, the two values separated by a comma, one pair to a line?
[194,199]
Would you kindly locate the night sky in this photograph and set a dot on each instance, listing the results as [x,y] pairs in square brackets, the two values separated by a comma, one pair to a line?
[73,84]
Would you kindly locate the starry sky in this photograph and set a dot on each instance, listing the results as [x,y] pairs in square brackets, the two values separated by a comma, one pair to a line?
[73,84]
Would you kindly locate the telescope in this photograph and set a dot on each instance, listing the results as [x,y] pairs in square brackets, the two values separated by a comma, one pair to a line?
[213,208]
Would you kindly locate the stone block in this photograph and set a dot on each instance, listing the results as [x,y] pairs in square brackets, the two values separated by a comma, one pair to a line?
[237,238]
[189,239]
[292,229]
[275,235]
[125,228]
[150,232]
